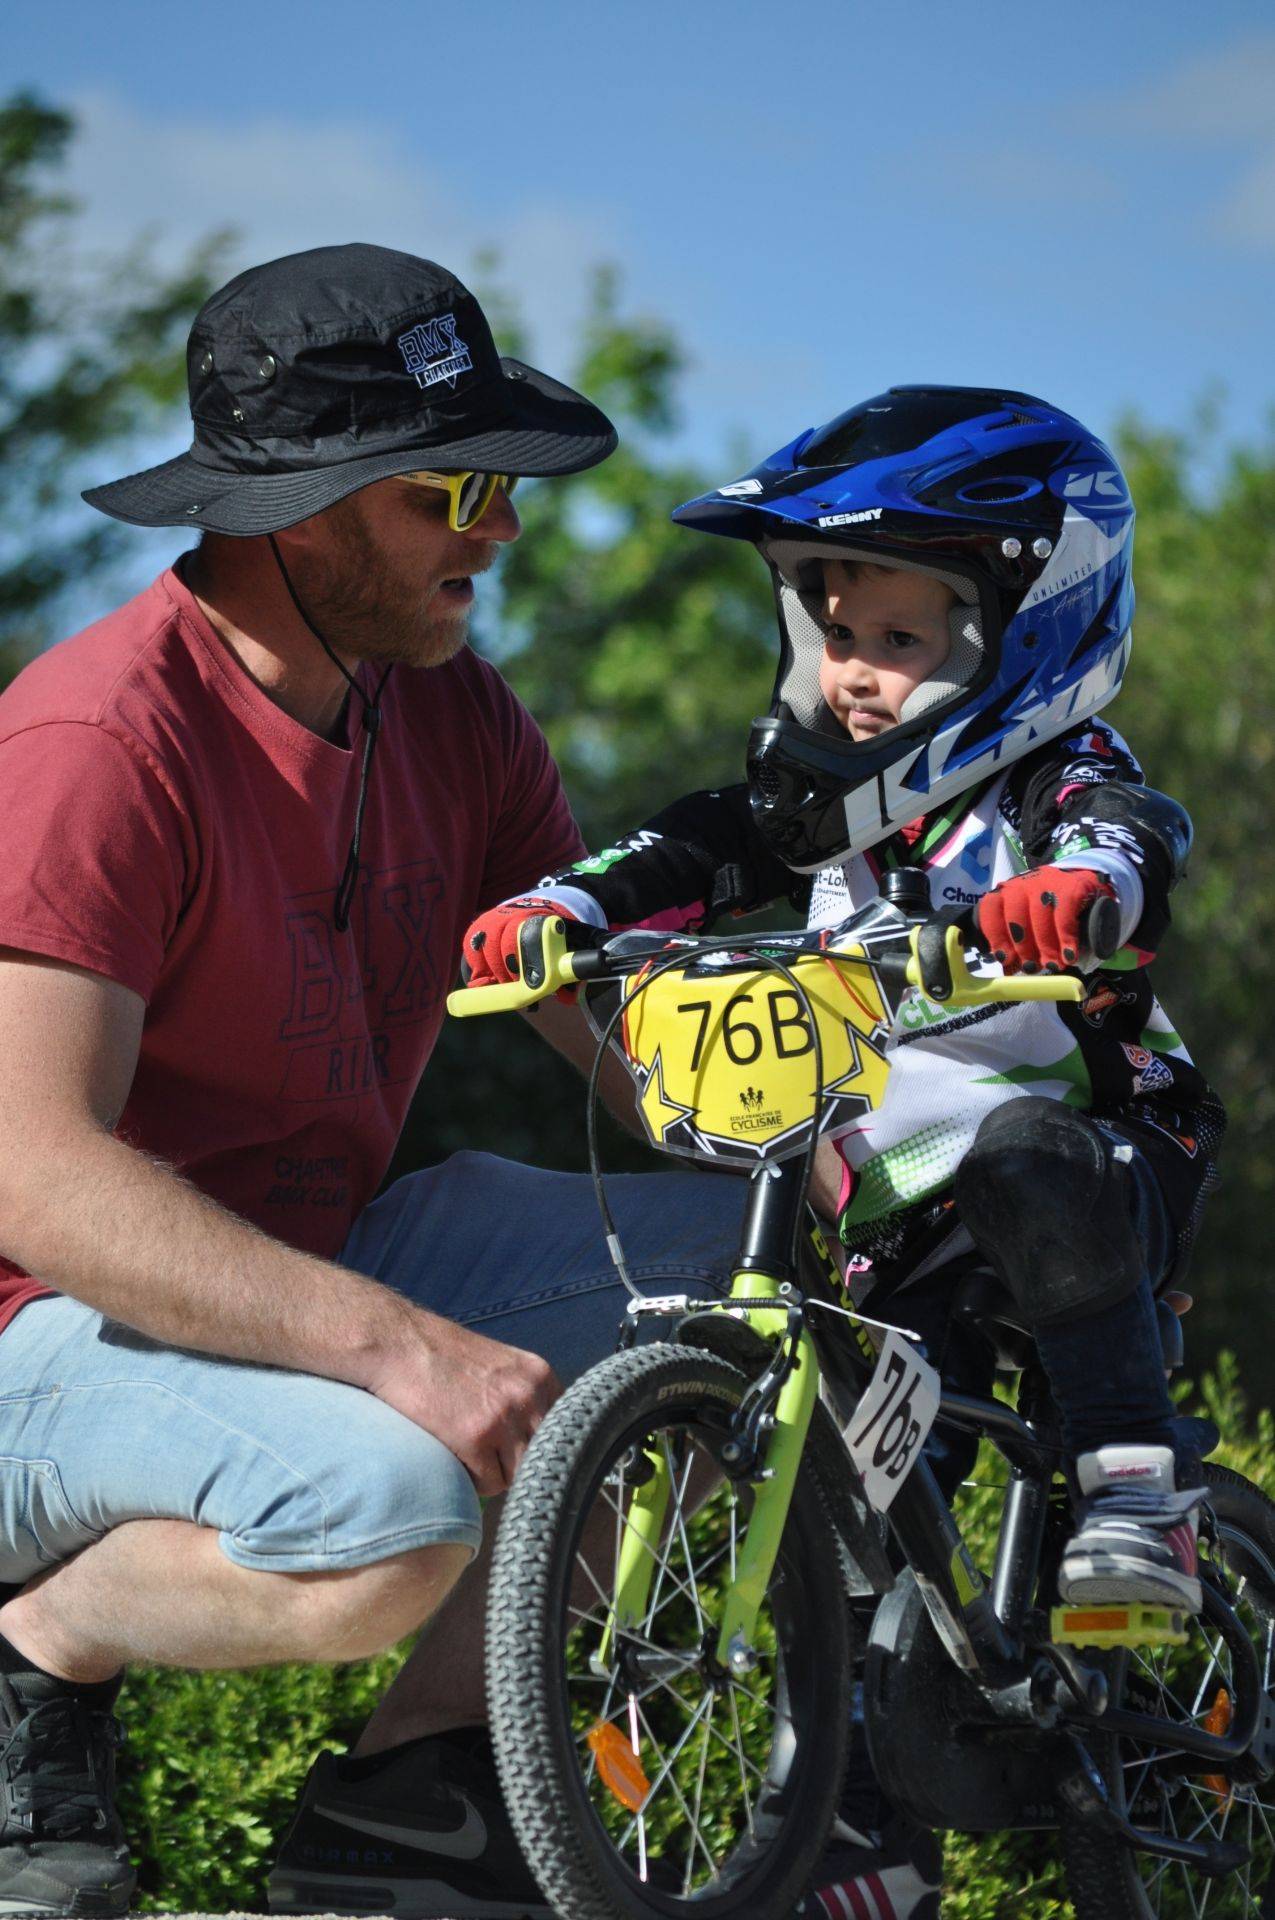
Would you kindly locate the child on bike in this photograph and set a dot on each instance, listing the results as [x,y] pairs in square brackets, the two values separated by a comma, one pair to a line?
[952,572]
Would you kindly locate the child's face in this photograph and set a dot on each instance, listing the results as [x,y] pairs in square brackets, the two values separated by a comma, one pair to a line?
[884,632]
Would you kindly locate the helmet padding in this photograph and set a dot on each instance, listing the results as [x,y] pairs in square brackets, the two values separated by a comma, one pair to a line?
[798,565]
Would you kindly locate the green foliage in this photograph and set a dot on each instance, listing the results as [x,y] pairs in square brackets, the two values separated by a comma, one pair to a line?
[91,357]
[1199,709]
[213,1766]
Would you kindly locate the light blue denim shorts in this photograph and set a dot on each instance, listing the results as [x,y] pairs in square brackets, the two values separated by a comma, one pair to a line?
[99,1424]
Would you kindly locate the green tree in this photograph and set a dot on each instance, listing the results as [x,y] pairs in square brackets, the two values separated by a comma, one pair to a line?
[91,358]
[643,650]
[1199,709]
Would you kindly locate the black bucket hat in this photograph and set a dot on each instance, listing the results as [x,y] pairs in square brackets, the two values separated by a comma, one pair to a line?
[317,374]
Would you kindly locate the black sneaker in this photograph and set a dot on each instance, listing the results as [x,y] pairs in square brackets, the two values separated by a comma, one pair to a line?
[420,1830]
[62,1848]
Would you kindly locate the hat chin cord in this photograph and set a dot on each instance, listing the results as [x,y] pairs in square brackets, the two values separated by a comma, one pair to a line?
[371,731]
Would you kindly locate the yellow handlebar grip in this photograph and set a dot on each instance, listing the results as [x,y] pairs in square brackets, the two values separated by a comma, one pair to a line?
[558,968]
[971,991]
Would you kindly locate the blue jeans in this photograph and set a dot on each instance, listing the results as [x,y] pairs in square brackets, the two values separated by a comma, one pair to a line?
[100,1424]
[1105,1370]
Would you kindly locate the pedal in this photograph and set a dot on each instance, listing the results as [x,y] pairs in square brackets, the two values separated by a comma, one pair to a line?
[1133,1626]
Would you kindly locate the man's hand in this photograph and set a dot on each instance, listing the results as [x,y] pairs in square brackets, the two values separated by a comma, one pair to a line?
[490,948]
[1034,922]
[481,1398]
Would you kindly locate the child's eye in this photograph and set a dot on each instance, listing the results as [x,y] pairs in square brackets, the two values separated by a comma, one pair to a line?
[902,641]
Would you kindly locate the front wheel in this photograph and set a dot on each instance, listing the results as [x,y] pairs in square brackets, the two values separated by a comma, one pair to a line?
[1191,1683]
[642,1778]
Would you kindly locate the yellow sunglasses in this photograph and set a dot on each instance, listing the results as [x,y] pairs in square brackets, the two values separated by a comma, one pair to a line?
[468,494]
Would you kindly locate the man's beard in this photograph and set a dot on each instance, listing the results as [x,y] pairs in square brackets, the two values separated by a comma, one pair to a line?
[365,614]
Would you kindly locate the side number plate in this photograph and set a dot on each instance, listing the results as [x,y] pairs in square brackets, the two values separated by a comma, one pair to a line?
[888,1427]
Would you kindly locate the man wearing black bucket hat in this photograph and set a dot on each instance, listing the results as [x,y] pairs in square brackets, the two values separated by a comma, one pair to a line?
[250,1409]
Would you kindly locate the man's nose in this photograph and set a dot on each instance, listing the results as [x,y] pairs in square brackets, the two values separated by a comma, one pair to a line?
[500,522]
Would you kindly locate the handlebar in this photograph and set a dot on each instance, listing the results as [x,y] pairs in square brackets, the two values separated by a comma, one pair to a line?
[553,954]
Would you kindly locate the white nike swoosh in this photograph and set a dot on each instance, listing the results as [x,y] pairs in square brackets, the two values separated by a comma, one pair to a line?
[465,1842]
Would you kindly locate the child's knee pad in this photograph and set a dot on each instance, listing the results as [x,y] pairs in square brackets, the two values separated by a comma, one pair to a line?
[1045,1201]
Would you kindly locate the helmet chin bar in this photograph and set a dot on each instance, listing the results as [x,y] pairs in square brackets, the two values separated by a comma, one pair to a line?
[816,800]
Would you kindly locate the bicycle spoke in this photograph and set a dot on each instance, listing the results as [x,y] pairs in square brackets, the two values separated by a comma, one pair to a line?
[671,1778]
[1186,1881]
[707,1566]
[766,1705]
[1187,1687]
[679,1522]
[656,1685]
[635,1743]
[606,1600]
[646,1546]
[721,1738]
[1163,1687]
[1213,1667]
[666,1774]
[699,1793]
[657,1584]
[665,1766]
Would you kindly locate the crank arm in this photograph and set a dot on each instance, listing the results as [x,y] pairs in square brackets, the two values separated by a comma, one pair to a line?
[1086,1792]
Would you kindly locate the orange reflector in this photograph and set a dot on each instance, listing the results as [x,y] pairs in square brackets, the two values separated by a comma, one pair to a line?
[1100,1620]
[619,1766]
[1218,1720]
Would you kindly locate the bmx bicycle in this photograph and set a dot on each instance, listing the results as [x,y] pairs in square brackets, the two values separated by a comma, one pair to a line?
[715,1533]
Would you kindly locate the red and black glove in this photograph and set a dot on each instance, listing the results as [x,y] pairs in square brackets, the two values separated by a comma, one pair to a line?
[490,947]
[1035,923]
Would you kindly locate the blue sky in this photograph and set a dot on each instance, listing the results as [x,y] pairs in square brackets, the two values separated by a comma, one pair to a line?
[1077,200]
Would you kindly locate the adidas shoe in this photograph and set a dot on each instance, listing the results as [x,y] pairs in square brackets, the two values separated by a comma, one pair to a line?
[62,1848]
[1135,1543]
[420,1830]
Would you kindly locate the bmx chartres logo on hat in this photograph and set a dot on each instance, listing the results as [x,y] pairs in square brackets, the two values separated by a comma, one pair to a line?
[433,351]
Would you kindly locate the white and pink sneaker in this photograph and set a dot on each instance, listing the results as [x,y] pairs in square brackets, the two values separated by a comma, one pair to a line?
[1135,1541]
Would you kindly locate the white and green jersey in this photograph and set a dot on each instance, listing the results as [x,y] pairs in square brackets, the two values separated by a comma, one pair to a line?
[950,1069]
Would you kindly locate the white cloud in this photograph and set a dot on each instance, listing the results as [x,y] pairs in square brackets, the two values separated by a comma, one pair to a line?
[1224,100]
[1248,215]
[1227,96]
[287,184]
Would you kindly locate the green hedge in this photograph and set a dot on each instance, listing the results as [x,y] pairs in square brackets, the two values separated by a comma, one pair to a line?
[213,1762]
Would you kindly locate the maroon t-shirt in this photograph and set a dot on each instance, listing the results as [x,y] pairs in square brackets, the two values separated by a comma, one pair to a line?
[165,824]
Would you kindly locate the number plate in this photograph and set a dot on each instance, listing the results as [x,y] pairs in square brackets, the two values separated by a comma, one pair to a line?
[724,1056]
[887,1430]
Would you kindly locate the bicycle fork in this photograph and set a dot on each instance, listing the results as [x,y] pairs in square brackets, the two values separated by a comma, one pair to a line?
[777,1411]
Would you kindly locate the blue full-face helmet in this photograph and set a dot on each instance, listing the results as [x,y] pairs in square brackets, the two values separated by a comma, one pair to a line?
[1021,511]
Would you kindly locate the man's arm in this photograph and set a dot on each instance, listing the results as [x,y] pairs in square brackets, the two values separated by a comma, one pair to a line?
[126,1235]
